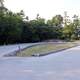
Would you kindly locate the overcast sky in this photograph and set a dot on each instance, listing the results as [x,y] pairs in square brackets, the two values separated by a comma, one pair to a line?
[46,8]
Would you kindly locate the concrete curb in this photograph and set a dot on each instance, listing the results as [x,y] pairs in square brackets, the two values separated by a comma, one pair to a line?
[45,54]
[14,53]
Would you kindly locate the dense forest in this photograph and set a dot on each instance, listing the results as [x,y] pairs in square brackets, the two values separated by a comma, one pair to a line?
[17,28]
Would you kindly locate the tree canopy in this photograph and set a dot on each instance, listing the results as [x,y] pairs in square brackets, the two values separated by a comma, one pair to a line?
[17,28]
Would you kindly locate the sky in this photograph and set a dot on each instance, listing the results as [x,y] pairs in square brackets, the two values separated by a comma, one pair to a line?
[46,8]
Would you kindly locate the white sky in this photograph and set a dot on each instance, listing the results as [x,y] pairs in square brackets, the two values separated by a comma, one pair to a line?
[46,8]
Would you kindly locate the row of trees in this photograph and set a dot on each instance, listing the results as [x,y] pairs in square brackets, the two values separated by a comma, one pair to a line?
[16,28]
[72,29]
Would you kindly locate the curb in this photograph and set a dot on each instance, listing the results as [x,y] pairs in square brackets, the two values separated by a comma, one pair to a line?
[45,54]
[14,53]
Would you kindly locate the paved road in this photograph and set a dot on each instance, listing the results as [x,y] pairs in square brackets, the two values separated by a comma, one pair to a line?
[63,65]
[8,49]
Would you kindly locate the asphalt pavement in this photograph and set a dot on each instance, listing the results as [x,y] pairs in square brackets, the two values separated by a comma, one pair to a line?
[64,65]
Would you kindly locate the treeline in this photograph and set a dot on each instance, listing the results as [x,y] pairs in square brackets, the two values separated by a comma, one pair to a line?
[16,28]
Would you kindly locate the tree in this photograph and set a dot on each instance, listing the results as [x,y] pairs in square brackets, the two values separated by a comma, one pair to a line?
[76,20]
[57,20]
[49,23]
[27,32]
[39,22]
[76,23]
[27,18]
[69,32]
[66,19]
[37,16]
[2,7]
[10,28]
[1,3]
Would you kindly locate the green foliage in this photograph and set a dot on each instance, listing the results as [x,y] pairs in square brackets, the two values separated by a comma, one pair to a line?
[10,27]
[57,20]
[69,31]
[16,28]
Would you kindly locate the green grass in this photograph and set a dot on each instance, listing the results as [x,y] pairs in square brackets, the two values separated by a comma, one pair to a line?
[44,48]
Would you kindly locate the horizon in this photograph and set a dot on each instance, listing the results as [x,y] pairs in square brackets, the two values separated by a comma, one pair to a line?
[46,9]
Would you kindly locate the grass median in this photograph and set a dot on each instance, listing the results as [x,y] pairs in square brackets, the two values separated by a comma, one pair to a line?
[45,49]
